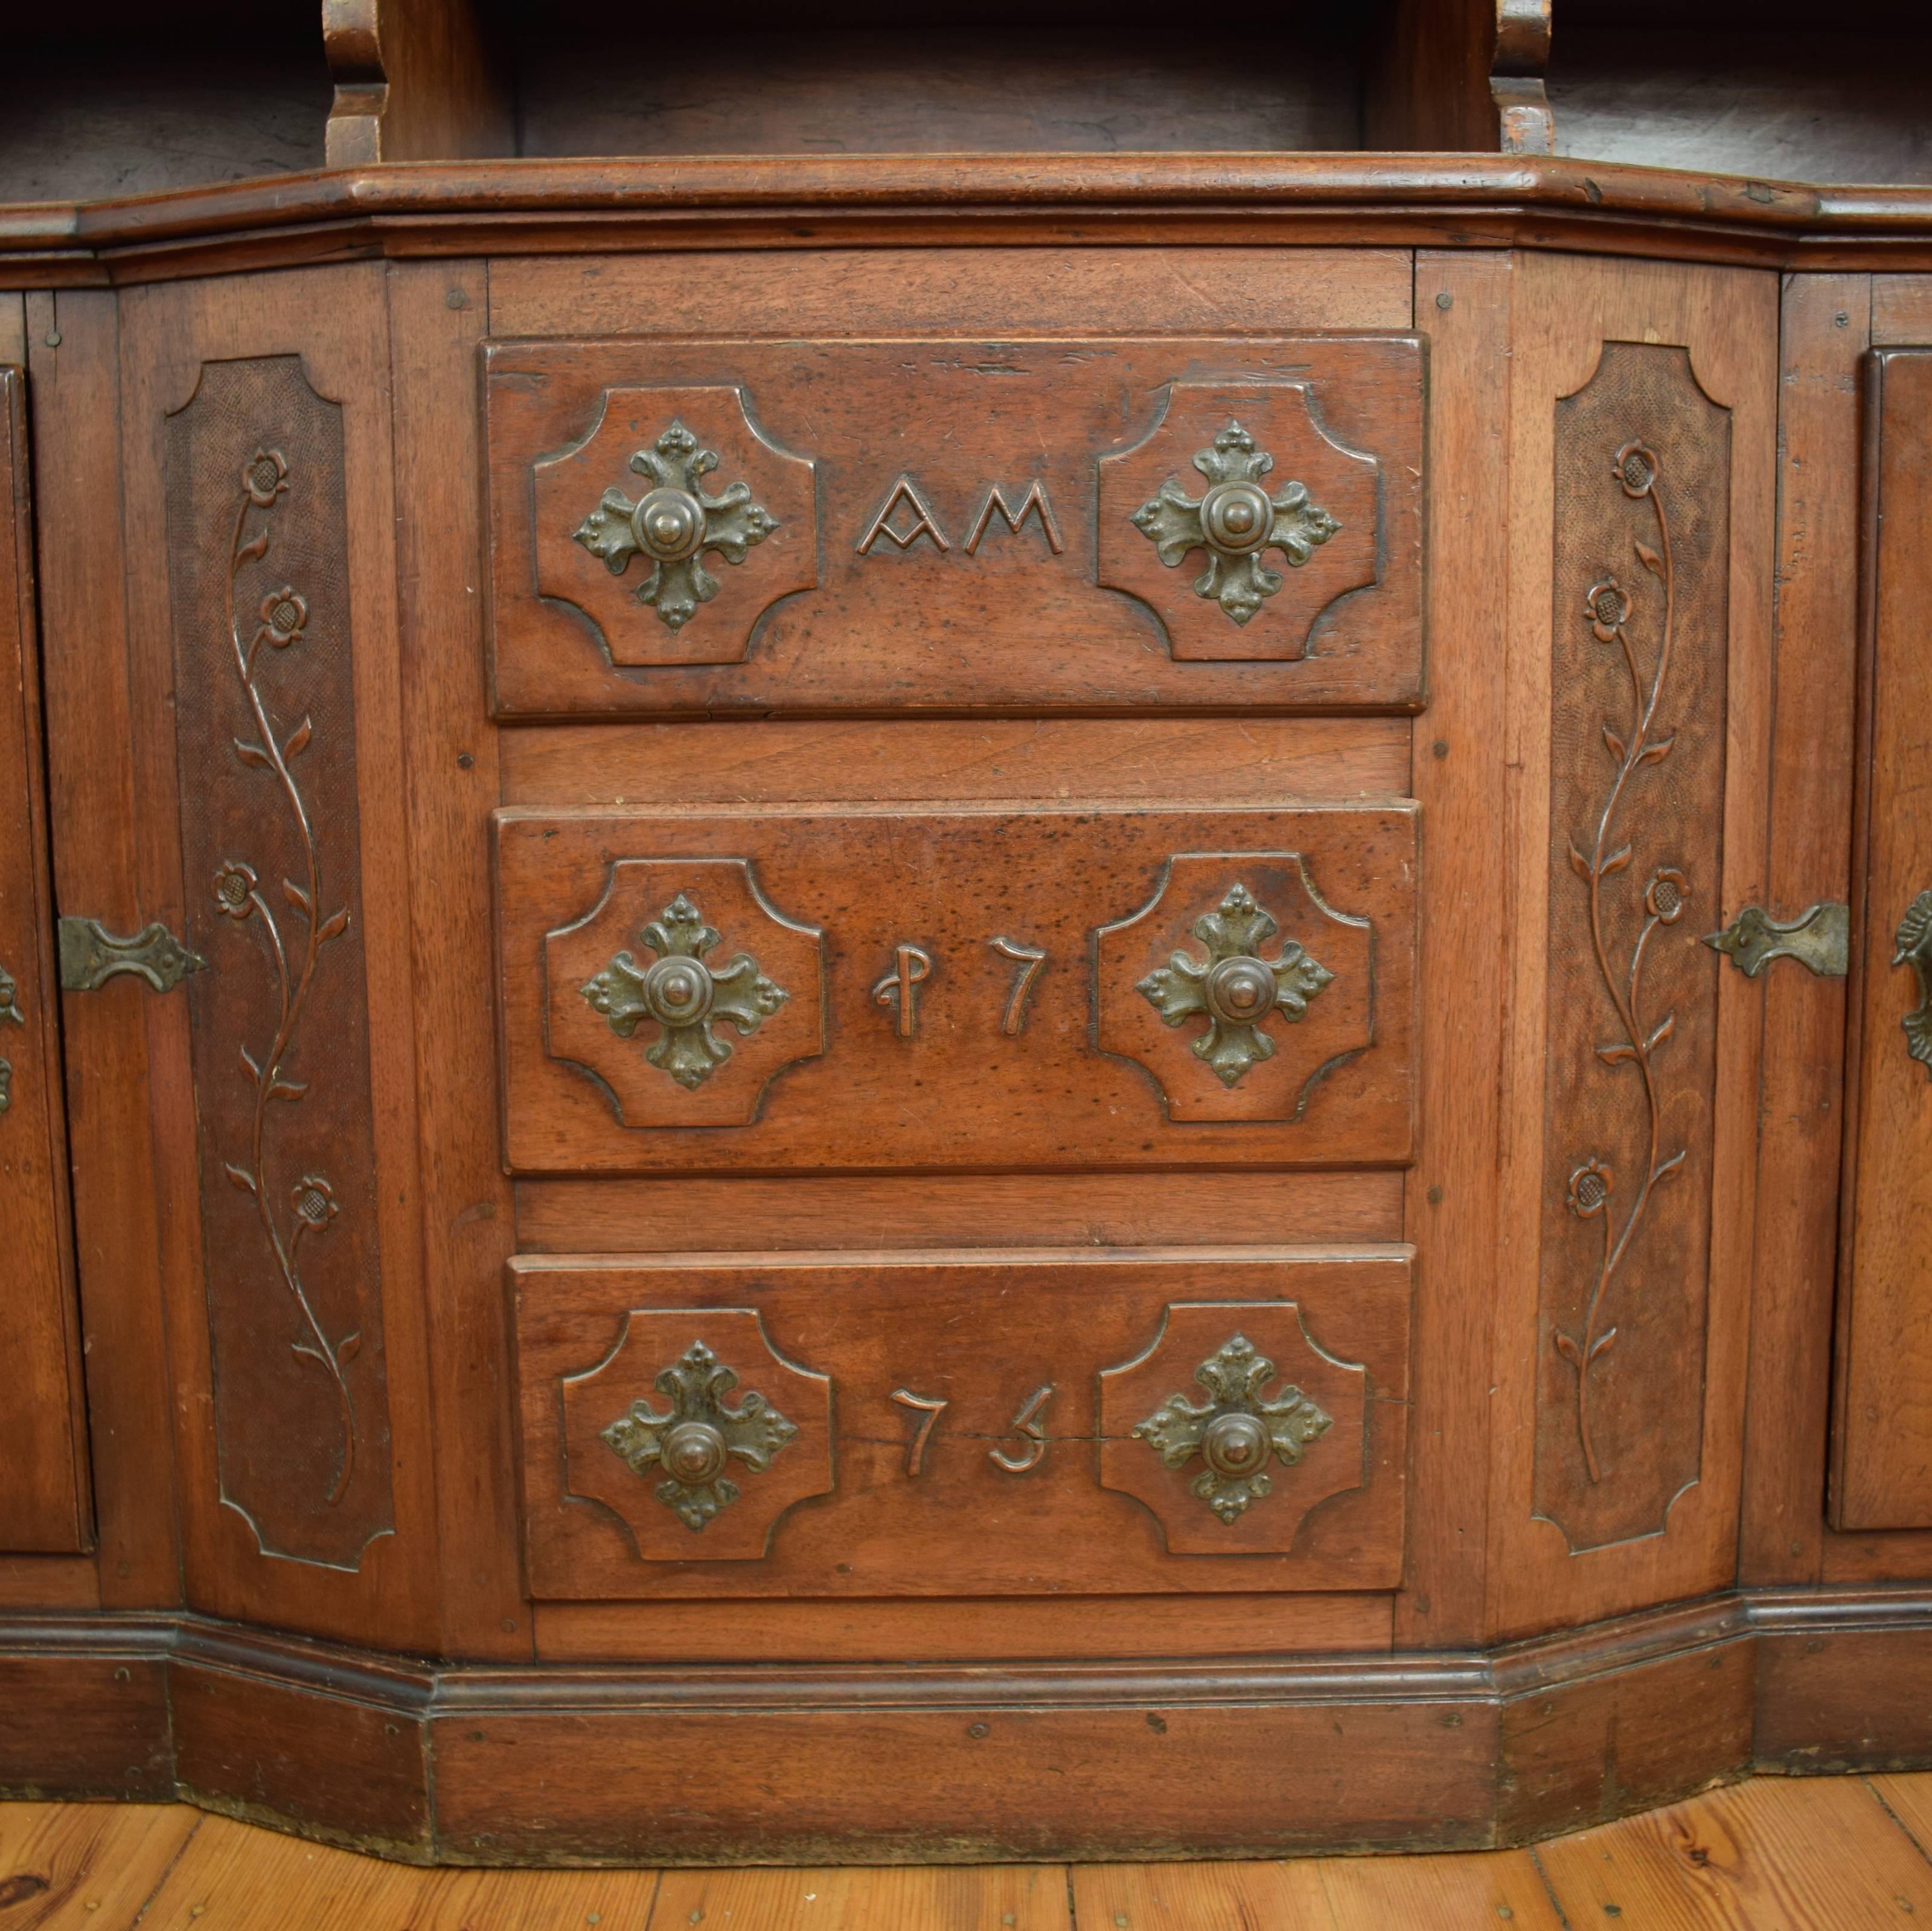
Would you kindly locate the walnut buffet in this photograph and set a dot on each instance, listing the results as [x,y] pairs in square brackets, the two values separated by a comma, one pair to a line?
[938,1006]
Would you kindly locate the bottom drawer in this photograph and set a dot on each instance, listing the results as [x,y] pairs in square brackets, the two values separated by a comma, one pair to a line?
[821,1425]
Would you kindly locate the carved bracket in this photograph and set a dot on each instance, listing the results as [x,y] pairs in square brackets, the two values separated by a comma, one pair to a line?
[1319,517]
[1281,990]
[1217,1477]
[693,1464]
[685,992]
[640,566]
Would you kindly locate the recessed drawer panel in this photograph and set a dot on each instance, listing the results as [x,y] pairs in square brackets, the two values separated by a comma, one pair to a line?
[794,990]
[689,526]
[818,1425]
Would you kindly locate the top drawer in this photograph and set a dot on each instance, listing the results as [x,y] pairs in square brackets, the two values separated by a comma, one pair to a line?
[697,527]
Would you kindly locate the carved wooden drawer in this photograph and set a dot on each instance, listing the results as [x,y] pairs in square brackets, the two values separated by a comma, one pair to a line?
[684,526]
[821,1425]
[813,989]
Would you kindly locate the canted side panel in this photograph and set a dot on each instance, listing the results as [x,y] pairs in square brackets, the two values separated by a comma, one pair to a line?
[853,1427]
[1642,490]
[258,580]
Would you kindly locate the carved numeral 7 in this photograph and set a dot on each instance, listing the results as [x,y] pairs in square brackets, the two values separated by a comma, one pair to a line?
[1032,960]
[932,1406]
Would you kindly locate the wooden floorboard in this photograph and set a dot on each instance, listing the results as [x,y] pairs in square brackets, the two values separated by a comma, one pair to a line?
[1823,1854]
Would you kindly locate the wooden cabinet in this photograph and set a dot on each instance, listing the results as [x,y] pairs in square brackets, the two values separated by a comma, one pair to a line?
[1002,966]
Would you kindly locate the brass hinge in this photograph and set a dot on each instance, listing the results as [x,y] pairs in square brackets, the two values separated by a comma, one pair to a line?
[91,955]
[1819,939]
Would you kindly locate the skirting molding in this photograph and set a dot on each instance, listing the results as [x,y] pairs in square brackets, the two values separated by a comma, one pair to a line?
[478,1763]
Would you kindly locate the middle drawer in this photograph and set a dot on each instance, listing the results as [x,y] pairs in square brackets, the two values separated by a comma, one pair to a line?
[1071,986]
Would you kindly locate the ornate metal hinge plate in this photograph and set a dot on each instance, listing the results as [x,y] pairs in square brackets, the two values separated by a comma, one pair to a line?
[1915,949]
[91,955]
[1820,939]
[10,1013]
[1235,1433]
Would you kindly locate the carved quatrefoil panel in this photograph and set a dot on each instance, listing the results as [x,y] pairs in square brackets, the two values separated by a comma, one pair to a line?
[684,991]
[1233,1427]
[1236,987]
[674,526]
[1239,520]
[696,1435]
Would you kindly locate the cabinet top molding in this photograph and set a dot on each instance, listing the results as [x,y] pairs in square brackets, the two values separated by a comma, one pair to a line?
[545,207]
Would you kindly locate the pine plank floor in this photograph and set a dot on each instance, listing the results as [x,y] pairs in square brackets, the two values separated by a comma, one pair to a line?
[1814,1853]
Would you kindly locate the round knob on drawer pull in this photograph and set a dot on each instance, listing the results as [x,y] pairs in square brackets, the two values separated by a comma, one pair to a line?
[1235,1445]
[1236,517]
[678,991]
[1241,990]
[694,1452]
[668,524]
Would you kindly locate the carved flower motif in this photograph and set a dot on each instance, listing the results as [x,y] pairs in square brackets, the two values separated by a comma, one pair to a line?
[315,1202]
[1635,467]
[1236,989]
[683,994]
[1608,608]
[263,476]
[235,888]
[284,617]
[1591,1187]
[1234,520]
[694,1442]
[1234,1432]
[1664,897]
[673,524]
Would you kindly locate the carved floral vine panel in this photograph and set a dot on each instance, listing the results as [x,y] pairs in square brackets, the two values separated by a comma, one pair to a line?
[258,578]
[1637,712]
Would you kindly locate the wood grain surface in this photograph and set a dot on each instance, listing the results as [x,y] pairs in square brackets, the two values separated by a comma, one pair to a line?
[890,577]
[1881,1418]
[942,1479]
[46,1504]
[1805,1854]
[947,1069]
[1567,310]
[91,707]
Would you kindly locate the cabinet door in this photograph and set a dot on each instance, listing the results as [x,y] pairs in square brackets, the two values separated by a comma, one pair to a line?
[1882,1434]
[44,1505]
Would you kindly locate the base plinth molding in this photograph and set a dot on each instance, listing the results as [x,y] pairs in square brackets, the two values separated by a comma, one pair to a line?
[485,1763]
